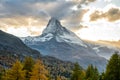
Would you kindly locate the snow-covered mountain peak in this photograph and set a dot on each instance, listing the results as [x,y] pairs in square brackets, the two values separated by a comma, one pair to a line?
[60,33]
[53,26]
[56,31]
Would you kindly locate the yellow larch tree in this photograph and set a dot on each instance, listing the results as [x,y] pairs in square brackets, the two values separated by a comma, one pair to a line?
[39,72]
[15,72]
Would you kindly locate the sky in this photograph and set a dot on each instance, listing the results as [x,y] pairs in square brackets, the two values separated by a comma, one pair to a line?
[89,19]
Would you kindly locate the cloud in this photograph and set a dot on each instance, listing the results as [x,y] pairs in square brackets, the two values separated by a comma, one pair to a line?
[77,28]
[102,32]
[84,2]
[12,8]
[113,14]
[36,13]
[74,19]
[39,9]
[31,24]
[60,9]
[53,8]
[22,21]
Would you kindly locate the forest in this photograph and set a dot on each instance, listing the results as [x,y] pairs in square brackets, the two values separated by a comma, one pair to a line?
[31,69]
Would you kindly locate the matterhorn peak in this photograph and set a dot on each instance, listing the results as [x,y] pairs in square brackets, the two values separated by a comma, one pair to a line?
[53,26]
[55,30]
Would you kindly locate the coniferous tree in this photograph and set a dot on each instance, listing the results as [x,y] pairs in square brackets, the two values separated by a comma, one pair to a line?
[96,74]
[15,73]
[89,72]
[28,66]
[113,68]
[92,73]
[77,73]
[102,76]
[39,72]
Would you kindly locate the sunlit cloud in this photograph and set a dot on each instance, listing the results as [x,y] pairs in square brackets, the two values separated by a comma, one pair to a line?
[23,26]
[105,31]
[34,15]
[87,18]
[103,22]
[107,0]
[111,15]
[22,31]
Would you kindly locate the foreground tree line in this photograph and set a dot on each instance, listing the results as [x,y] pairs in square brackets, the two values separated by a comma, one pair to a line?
[27,70]
[35,70]
[112,71]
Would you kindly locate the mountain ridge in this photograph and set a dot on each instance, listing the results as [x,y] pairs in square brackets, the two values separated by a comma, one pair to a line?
[12,43]
[102,48]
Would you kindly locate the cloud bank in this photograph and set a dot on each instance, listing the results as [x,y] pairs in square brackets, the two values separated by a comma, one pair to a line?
[111,15]
[36,13]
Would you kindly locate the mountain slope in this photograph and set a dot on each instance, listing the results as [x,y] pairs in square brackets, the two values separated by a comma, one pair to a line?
[12,48]
[14,45]
[63,44]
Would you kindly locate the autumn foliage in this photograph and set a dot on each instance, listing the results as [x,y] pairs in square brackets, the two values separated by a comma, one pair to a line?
[26,71]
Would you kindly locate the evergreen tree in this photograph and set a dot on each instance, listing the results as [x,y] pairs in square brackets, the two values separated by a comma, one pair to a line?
[77,73]
[28,66]
[102,76]
[15,73]
[96,74]
[92,73]
[113,68]
[39,72]
[89,72]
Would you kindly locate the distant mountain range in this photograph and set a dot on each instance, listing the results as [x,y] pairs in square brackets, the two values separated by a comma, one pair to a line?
[104,48]
[59,42]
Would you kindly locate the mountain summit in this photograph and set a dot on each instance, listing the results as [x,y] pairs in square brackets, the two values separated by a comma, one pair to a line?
[53,26]
[55,30]
[59,42]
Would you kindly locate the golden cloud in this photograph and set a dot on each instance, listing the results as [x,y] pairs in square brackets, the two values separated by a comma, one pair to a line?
[111,15]
[33,25]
